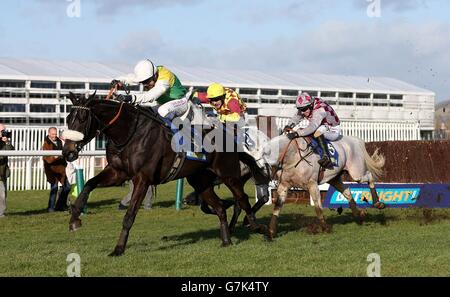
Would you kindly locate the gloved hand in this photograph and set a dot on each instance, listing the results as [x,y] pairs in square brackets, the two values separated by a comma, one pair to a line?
[115,83]
[125,98]
[293,135]
[287,128]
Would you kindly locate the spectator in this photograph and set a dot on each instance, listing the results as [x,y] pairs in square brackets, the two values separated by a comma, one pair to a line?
[5,144]
[55,170]
[147,200]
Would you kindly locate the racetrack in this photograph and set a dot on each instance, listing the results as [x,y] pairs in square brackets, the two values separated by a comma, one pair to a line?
[164,242]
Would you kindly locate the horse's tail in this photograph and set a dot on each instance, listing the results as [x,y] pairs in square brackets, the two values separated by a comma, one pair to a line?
[375,162]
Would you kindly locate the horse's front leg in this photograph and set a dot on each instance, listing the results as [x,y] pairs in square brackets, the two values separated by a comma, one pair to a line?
[237,188]
[108,177]
[282,192]
[141,185]
[314,191]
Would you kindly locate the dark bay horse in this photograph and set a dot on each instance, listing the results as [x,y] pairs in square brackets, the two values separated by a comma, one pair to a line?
[139,148]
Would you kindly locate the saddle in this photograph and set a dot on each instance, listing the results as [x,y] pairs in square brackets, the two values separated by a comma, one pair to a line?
[334,156]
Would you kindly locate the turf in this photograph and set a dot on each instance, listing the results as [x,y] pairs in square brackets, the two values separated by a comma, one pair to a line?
[166,242]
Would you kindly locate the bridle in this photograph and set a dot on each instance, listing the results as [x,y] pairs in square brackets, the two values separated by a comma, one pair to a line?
[104,127]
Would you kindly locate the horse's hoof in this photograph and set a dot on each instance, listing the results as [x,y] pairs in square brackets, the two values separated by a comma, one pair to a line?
[263,229]
[75,225]
[327,228]
[362,213]
[245,222]
[271,234]
[379,205]
[117,252]
[227,243]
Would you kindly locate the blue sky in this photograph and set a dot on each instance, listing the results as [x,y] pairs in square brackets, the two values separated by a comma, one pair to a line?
[410,41]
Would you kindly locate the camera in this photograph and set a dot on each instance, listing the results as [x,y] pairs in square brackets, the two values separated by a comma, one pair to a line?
[6,134]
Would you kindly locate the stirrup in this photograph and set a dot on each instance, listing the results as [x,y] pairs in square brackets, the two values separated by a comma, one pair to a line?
[325,162]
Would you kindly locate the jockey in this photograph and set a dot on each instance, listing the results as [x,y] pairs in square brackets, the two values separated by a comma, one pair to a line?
[162,89]
[227,103]
[323,123]
[230,109]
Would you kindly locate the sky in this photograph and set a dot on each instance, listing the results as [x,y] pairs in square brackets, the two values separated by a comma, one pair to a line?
[403,39]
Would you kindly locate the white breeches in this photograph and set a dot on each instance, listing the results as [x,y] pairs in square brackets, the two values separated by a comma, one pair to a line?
[178,107]
[330,133]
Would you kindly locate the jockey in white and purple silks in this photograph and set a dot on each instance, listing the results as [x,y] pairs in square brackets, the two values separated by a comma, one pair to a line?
[323,123]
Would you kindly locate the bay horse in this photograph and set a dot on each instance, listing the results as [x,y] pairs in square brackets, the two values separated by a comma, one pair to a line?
[139,148]
[295,164]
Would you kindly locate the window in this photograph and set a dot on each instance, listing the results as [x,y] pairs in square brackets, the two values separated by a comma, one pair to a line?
[12,107]
[362,103]
[12,84]
[134,88]
[396,104]
[270,92]
[345,103]
[248,91]
[43,84]
[271,101]
[379,96]
[68,108]
[252,111]
[42,95]
[379,104]
[312,93]
[327,94]
[289,93]
[72,85]
[14,120]
[331,102]
[362,96]
[42,108]
[345,95]
[100,142]
[288,101]
[99,86]
[12,95]
[250,100]
[200,89]
[43,120]
[396,97]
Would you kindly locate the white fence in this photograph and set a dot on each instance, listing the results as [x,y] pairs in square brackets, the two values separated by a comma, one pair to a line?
[374,131]
[27,171]
[26,164]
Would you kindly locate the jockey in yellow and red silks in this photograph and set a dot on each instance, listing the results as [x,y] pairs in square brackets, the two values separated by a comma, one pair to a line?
[323,123]
[227,103]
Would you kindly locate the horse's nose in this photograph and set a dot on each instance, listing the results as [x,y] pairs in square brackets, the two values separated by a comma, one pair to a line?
[70,156]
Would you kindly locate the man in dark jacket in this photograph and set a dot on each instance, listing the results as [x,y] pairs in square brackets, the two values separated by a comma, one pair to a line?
[5,144]
[55,170]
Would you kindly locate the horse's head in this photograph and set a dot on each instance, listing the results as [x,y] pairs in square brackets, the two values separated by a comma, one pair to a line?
[82,127]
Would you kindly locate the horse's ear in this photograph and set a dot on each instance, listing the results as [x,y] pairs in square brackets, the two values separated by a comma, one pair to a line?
[92,96]
[73,98]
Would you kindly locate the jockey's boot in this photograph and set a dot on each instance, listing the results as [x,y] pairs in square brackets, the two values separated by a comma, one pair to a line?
[325,161]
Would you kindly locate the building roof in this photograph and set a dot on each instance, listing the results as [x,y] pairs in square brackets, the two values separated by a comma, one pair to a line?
[34,69]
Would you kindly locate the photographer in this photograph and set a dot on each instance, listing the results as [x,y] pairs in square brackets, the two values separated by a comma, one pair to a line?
[5,144]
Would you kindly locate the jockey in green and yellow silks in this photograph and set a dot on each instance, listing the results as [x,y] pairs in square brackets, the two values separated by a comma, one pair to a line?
[162,89]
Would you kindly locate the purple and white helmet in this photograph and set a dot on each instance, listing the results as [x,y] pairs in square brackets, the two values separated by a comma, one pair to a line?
[303,100]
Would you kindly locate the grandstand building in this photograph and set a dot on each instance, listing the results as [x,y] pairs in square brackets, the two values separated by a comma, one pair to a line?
[33,92]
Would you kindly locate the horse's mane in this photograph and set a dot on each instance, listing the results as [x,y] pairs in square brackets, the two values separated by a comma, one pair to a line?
[147,112]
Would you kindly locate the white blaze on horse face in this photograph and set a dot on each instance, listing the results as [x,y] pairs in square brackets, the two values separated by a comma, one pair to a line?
[72,135]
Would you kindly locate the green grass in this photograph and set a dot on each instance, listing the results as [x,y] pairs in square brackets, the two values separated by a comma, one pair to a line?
[164,242]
